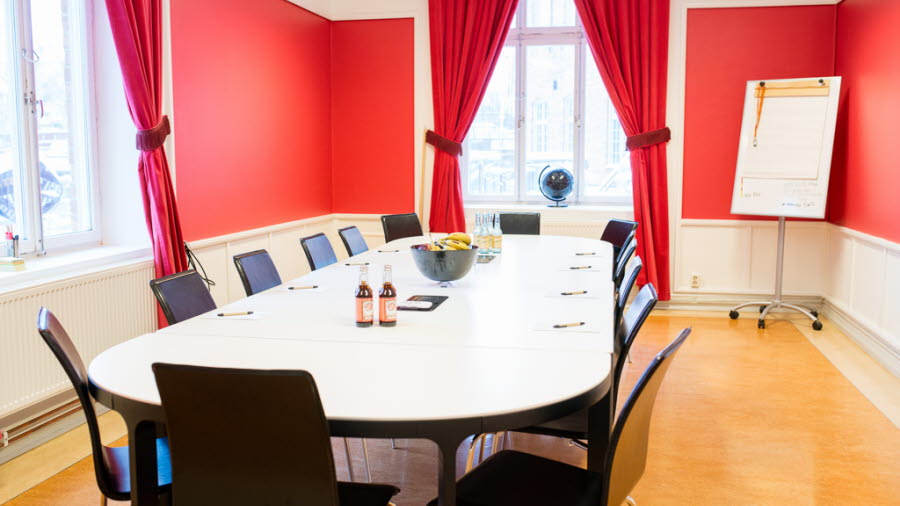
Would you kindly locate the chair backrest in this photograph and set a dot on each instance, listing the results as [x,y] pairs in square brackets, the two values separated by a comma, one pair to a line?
[62,347]
[626,457]
[182,296]
[257,271]
[617,232]
[318,251]
[353,240]
[521,223]
[628,330]
[622,262]
[398,226]
[241,436]
[625,288]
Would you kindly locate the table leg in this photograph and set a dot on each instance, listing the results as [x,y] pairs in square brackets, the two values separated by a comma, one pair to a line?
[142,454]
[447,471]
[600,424]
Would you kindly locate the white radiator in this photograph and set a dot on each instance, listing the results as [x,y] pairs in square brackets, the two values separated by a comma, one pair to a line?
[98,310]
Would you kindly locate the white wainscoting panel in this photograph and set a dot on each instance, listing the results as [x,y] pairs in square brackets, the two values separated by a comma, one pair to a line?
[739,256]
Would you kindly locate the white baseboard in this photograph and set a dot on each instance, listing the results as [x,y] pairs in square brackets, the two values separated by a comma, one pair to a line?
[864,336]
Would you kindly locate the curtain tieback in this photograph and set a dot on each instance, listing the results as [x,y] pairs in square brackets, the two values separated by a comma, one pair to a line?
[444,144]
[148,140]
[642,140]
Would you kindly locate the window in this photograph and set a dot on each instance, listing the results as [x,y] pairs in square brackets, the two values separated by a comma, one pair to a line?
[46,181]
[546,105]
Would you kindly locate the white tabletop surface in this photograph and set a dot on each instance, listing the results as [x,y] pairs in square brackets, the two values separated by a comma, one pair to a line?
[485,351]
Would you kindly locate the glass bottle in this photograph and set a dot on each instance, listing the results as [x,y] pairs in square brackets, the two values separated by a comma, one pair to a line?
[497,235]
[387,301]
[365,307]
[479,234]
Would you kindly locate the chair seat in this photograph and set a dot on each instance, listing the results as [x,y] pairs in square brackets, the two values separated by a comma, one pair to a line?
[120,472]
[511,478]
[365,494]
[574,426]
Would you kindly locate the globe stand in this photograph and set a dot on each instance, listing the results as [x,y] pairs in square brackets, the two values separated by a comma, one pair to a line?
[557,204]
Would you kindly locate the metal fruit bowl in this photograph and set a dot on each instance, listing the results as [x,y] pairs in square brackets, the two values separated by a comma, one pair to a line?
[447,265]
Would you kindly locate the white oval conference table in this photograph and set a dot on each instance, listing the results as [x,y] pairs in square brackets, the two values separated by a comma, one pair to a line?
[487,359]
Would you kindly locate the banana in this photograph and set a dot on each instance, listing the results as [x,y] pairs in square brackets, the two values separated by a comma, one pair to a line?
[461,237]
[456,244]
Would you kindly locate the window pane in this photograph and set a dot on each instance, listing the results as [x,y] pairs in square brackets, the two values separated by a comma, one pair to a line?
[11,210]
[550,13]
[549,110]
[607,167]
[490,144]
[62,126]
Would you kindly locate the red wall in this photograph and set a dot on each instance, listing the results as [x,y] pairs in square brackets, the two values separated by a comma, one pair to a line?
[252,94]
[865,174]
[282,115]
[372,116]
[725,49]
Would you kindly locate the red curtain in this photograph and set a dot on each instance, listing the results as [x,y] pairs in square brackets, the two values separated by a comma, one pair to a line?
[466,39]
[137,32]
[629,41]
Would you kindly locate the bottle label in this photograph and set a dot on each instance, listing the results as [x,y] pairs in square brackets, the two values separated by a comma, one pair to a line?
[364,310]
[498,242]
[387,309]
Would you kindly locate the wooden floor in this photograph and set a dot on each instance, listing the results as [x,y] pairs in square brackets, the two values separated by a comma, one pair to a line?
[744,417]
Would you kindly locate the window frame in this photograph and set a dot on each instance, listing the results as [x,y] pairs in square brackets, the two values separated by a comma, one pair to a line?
[520,37]
[31,223]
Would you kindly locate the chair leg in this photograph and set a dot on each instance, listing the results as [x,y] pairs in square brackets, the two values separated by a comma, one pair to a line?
[578,444]
[349,458]
[628,356]
[470,457]
[103,500]
[366,460]
[393,444]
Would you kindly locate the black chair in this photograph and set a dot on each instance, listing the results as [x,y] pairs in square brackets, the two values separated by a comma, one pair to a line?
[624,291]
[289,460]
[521,223]
[622,263]
[575,426]
[318,251]
[111,464]
[618,233]
[398,226]
[257,271]
[182,296]
[353,241]
[511,478]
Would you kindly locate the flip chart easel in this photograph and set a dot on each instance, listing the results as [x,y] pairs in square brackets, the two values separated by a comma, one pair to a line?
[784,162]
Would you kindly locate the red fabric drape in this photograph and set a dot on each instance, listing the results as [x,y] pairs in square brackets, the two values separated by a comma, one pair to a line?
[137,32]
[466,39]
[629,41]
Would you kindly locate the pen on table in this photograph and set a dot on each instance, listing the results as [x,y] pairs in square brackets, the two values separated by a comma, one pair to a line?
[585,254]
[582,267]
[580,292]
[565,325]
[240,313]
[357,263]
[303,287]
[389,251]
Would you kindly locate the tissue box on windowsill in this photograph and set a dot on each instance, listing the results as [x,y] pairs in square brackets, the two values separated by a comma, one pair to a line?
[12,264]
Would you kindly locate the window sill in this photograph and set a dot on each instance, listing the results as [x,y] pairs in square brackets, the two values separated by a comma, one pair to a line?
[574,212]
[68,264]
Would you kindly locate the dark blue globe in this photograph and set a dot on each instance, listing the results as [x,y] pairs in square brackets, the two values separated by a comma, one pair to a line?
[556,184]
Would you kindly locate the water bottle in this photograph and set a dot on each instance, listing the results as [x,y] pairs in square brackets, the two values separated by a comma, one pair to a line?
[479,234]
[497,235]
